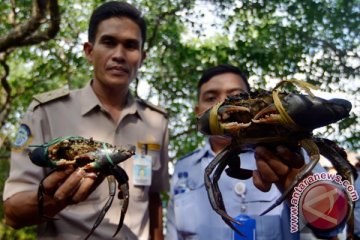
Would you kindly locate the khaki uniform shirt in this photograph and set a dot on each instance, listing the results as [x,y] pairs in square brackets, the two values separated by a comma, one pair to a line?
[80,113]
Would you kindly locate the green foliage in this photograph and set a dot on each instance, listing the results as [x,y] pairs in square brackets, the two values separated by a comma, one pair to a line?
[317,41]
[27,233]
[7,232]
[271,39]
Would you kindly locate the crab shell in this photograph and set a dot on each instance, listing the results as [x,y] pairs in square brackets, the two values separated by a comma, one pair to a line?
[86,153]
[254,117]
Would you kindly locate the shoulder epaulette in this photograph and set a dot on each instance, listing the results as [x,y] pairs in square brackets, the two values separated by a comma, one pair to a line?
[47,97]
[153,107]
[51,95]
[188,155]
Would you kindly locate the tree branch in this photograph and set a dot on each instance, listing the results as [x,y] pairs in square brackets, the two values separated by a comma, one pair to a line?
[5,108]
[161,17]
[51,31]
[28,33]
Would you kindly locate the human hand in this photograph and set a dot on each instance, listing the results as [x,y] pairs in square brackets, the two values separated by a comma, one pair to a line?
[277,165]
[70,186]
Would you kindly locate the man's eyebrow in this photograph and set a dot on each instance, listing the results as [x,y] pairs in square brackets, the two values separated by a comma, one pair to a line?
[237,89]
[107,36]
[210,91]
[114,37]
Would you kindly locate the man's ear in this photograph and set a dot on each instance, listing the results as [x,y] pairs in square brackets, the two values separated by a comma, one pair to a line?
[88,48]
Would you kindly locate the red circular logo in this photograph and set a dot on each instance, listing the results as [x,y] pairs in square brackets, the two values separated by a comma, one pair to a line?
[324,205]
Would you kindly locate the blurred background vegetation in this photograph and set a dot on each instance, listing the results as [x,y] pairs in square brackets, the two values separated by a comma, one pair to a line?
[312,40]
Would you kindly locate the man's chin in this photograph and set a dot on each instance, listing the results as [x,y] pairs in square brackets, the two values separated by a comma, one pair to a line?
[118,81]
[221,139]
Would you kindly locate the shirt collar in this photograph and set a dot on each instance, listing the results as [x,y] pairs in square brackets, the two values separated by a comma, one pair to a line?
[89,101]
[131,107]
[205,151]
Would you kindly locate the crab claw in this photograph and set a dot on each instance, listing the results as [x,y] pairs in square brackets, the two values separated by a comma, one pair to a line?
[314,112]
[38,156]
[227,119]
[233,119]
[267,115]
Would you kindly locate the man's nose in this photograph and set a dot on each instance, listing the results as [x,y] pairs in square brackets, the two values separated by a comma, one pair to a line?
[119,53]
[222,97]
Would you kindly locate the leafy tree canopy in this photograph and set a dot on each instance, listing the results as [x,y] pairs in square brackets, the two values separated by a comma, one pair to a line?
[316,40]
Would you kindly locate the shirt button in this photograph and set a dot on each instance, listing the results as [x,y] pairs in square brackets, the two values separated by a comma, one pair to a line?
[240,188]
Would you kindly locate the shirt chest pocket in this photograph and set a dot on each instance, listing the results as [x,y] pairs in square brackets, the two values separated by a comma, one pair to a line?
[195,218]
[187,213]
[254,201]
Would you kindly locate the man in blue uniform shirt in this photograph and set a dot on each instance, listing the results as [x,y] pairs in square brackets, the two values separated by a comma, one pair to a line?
[190,215]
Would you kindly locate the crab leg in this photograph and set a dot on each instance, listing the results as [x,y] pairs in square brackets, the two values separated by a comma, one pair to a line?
[339,160]
[216,176]
[40,196]
[213,190]
[112,191]
[122,178]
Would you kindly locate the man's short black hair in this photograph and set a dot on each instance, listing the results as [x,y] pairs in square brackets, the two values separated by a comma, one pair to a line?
[220,69]
[115,9]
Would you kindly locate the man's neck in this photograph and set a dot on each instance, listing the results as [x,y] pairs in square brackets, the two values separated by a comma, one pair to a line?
[218,143]
[112,99]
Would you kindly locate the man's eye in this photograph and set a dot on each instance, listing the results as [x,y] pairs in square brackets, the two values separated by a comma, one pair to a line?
[236,93]
[132,45]
[210,99]
[109,42]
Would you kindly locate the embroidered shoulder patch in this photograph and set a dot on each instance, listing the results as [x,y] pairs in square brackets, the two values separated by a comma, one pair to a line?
[23,136]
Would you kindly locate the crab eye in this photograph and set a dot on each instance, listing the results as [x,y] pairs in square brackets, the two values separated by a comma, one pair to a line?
[39,157]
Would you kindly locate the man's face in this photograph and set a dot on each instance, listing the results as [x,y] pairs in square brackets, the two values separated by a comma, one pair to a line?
[217,89]
[116,53]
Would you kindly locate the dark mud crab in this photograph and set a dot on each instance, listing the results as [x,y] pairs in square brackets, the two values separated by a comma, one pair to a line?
[92,156]
[273,117]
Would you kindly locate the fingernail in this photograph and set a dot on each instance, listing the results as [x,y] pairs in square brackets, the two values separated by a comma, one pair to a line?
[80,172]
[91,175]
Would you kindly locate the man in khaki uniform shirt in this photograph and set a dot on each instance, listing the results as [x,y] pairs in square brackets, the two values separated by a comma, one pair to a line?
[106,111]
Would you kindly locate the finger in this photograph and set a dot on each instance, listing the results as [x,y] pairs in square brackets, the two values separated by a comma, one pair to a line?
[266,173]
[259,183]
[270,162]
[290,157]
[99,179]
[85,188]
[70,185]
[52,182]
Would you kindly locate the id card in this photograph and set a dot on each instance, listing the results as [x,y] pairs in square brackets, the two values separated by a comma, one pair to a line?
[142,170]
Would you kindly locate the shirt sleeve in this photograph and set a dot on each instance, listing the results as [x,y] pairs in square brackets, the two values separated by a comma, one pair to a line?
[160,179]
[171,228]
[24,175]
[171,232]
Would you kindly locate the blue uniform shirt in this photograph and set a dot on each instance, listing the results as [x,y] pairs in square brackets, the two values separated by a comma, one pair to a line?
[190,215]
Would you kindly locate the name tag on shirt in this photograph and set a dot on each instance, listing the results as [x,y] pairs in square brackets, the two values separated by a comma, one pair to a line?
[142,170]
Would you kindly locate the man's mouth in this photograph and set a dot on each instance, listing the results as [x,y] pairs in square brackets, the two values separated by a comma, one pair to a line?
[118,70]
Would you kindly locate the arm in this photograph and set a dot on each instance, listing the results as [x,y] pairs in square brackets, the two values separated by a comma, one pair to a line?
[155,213]
[61,188]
